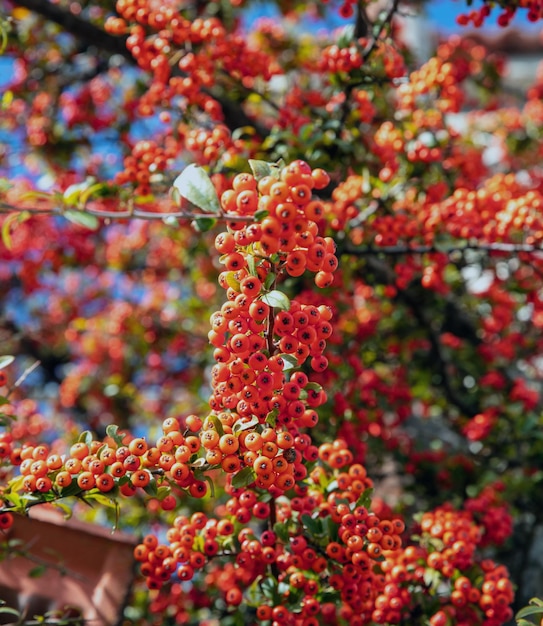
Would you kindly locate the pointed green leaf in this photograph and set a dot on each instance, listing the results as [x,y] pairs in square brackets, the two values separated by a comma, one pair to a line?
[6,360]
[529,610]
[194,184]
[365,498]
[98,188]
[151,488]
[261,214]
[243,478]
[289,362]
[240,425]
[203,224]
[269,280]
[82,219]
[12,218]
[66,510]
[281,530]
[277,299]
[85,437]
[211,484]
[261,168]
[271,418]
[112,431]
[314,526]
[37,571]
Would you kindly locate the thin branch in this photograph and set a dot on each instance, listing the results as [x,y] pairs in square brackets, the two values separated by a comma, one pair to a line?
[433,249]
[377,35]
[24,376]
[362,25]
[129,214]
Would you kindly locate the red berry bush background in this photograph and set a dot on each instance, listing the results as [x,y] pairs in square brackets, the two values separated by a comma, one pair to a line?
[272,302]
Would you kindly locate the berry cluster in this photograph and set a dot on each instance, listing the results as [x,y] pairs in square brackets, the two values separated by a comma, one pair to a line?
[235,554]
[335,59]
[477,17]
[147,159]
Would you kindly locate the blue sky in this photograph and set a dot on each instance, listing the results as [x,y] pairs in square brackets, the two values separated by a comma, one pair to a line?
[442,14]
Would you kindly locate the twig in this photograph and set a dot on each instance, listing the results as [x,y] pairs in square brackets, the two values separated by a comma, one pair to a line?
[131,213]
[384,23]
[25,374]
[495,246]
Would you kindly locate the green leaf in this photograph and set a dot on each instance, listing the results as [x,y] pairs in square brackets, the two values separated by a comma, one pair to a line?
[12,218]
[314,526]
[211,484]
[82,219]
[6,360]
[251,265]
[432,578]
[37,571]
[312,386]
[7,610]
[239,425]
[261,214]
[112,431]
[243,478]
[365,498]
[151,488]
[203,224]
[277,299]
[231,281]
[281,530]
[103,499]
[194,184]
[73,192]
[66,510]
[530,610]
[261,169]
[162,492]
[73,489]
[269,280]
[290,362]
[217,424]
[97,188]
[346,37]
[85,437]
[271,418]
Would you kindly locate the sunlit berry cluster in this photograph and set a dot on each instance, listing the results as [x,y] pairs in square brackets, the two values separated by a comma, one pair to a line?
[472,591]
[298,551]
[147,159]
[335,59]
[477,17]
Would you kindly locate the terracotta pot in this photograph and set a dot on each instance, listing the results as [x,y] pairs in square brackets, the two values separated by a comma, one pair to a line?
[87,567]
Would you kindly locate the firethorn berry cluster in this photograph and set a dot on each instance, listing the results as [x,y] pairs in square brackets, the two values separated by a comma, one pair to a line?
[258,412]
[433,75]
[183,55]
[258,332]
[335,59]
[478,16]
[147,159]
[471,592]
[297,552]
[297,515]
